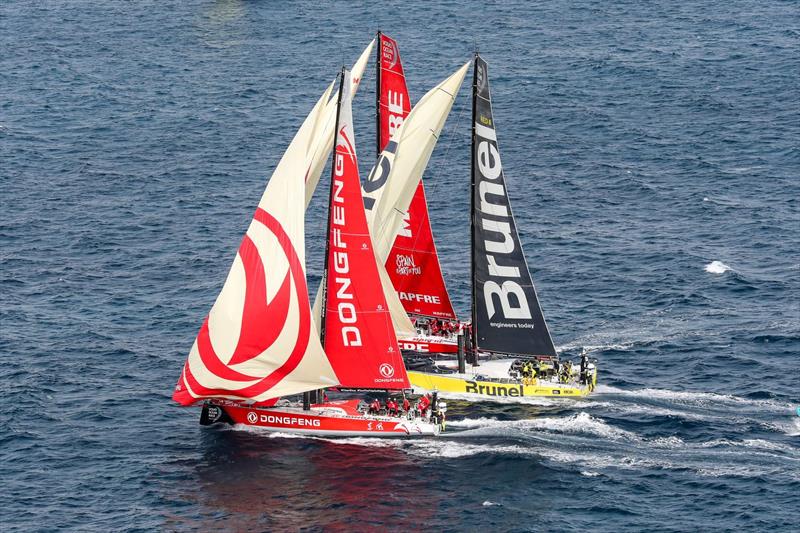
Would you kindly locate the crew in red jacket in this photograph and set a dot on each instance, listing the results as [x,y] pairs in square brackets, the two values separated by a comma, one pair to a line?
[406,404]
[374,407]
[423,404]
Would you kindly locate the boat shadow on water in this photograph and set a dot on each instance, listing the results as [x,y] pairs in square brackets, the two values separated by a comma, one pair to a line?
[252,480]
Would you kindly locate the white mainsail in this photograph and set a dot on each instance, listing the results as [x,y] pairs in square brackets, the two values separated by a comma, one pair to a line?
[327,123]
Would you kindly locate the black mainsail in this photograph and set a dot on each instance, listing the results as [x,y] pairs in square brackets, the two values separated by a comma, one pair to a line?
[506,315]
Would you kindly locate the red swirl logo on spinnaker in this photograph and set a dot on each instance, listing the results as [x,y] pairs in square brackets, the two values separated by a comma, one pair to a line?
[262,321]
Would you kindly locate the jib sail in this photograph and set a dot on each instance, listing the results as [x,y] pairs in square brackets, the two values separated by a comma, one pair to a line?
[506,314]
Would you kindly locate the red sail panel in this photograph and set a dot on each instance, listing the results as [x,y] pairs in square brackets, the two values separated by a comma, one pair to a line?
[359,337]
[412,264]
[393,96]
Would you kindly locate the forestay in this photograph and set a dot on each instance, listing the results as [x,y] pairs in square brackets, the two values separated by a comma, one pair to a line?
[507,317]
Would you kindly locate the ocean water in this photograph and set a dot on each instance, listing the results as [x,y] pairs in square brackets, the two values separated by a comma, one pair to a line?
[651,152]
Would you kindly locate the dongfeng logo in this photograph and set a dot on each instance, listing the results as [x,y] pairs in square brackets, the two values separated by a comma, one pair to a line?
[252,417]
[481,78]
[386,370]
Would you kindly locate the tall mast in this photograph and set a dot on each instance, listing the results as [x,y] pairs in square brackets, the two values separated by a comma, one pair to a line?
[317,397]
[378,55]
[472,202]
[324,282]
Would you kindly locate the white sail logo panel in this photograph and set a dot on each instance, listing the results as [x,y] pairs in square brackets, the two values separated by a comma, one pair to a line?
[258,342]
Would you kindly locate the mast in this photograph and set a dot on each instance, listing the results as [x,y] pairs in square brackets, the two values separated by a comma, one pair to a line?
[473,325]
[308,398]
[378,69]
[324,281]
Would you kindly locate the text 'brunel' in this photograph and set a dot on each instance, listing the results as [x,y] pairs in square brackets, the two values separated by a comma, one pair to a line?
[497,221]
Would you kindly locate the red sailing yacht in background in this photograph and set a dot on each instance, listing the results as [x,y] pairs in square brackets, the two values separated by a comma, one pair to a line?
[413,263]
[259,342]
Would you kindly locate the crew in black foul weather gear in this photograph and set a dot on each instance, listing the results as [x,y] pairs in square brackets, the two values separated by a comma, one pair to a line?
[584,376]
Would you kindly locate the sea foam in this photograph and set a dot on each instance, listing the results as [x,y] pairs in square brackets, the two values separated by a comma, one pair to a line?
[717,267]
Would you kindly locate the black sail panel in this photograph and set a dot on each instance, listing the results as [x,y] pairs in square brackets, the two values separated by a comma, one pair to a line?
[506,314]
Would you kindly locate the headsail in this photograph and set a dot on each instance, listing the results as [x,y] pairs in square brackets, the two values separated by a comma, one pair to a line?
[394,178]
[412,264]
[358,335]
[324,128]
[506,314]
[258,341]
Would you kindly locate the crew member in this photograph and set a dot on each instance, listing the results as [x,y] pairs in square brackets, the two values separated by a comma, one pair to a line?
[532,377]
[423,404]
[566,372]
[391,407]
[584,368]
[374,407]
[406,404]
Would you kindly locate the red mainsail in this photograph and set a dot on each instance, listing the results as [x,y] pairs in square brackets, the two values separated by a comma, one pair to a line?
[359,337]
[412,264]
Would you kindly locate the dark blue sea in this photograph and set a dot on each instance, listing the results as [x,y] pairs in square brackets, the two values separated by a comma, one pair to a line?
[651,153]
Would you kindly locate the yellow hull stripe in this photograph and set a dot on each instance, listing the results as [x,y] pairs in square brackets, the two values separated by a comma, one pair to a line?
[445,383]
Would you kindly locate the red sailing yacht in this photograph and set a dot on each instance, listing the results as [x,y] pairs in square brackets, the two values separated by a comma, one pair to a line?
[259,342]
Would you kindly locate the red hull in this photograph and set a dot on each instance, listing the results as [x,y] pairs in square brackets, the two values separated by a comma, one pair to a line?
[337,418]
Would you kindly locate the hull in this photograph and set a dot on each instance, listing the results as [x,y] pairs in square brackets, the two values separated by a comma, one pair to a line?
[429,344]
[332,419]
[461,384]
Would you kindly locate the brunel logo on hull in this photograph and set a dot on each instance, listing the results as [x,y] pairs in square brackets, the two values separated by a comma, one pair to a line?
[508,390]
[494,390]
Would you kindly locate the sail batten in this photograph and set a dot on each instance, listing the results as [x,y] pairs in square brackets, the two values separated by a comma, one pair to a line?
[506,313]
[358,333]
[413,262]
